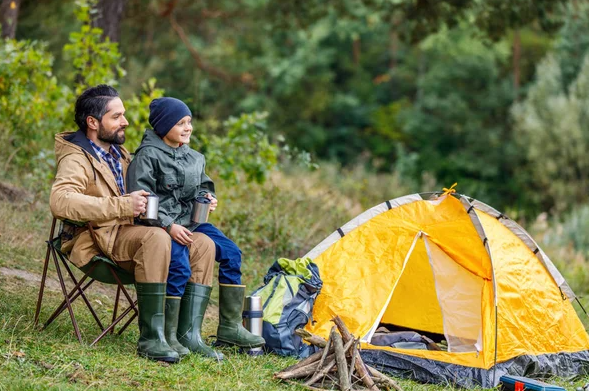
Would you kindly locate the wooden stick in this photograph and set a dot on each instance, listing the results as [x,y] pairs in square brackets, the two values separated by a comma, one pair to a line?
[325,350]
[301,372]
[323,372]
[354,350]
[340,359]
[360,368]
[311,338]
[343,330]
[311,359]
[384,378]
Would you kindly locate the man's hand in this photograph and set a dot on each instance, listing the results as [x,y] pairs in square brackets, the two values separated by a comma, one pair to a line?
[213,201]
[139,201]
[180,234]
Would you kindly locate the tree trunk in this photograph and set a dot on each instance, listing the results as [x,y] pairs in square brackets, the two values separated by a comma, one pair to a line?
[356,51]
[9,17]
[516,63]
[108,18]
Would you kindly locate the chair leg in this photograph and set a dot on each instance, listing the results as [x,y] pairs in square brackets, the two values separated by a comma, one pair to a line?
[44,277]
[67,299]
[73,295]
[114,312]
[81,291]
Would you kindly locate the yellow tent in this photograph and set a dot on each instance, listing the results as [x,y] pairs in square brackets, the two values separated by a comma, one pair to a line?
[449,265]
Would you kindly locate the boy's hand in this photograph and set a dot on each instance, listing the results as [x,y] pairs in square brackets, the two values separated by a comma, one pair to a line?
[139,201]
[213,201]
[180,234]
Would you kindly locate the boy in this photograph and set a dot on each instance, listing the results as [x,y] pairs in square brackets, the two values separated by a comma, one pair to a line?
[165,165]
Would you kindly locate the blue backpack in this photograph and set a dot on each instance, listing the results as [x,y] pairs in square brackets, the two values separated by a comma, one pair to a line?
[288,294]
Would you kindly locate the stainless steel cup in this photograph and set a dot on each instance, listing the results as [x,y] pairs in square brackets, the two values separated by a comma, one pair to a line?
[200,210]
[253,320]
[151,209]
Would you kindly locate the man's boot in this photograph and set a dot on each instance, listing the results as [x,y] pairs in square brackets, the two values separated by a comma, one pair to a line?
[192,311]
[172,312]
[152,342]
[230,329]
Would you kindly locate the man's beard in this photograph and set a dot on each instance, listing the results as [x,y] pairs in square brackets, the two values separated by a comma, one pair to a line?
[111,138]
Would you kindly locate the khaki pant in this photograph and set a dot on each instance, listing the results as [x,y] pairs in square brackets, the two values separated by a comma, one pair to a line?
[145,251]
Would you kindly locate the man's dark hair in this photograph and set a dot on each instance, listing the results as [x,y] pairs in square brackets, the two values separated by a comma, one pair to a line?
[92,103]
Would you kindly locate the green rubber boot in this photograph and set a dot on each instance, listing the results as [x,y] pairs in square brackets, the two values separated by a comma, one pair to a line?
[231,330]
[152,342]
[192,311]
[172,312]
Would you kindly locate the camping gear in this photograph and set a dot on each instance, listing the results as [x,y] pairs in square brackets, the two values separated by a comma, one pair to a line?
[289,292]
[151,209]
[192,311]
[252,320]
[200,210]
[518,383]
[231,330]
[450,266]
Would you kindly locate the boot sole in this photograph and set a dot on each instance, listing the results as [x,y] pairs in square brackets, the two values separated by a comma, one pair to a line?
[168,359]
[221,342]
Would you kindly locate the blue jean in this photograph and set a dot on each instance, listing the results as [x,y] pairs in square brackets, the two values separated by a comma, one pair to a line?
[180,271]
[227,254]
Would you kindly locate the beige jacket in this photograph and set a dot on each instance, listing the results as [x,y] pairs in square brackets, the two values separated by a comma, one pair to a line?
[85,190]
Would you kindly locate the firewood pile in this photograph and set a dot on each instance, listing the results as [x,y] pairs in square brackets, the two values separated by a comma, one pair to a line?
[337,364]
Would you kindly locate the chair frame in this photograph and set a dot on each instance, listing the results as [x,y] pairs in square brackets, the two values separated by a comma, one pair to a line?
[79,290]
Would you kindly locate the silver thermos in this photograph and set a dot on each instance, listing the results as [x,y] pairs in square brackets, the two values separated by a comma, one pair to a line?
[200,210]
[253,318]
[151,209]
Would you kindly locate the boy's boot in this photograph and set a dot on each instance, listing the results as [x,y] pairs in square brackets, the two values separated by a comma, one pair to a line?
[231,330]
[172,312]
[192,311]
[152,342]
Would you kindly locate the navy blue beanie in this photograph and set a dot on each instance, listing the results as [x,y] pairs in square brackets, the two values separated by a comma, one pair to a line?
[164,113]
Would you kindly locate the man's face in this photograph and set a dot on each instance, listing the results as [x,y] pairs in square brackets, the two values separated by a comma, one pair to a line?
[112,127]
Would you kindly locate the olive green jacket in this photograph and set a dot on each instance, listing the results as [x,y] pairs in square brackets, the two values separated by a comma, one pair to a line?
[176,175]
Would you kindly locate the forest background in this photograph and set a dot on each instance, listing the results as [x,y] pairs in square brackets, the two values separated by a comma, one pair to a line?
[310,112]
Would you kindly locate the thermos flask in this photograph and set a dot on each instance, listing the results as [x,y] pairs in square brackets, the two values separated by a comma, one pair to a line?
[200,210]
[253,318]
[151,209]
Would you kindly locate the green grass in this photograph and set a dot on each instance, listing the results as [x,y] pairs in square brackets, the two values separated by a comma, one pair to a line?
[285,217]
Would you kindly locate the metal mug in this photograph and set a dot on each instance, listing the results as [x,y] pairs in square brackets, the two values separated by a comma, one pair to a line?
[253,320]
[151,209]
[200,210]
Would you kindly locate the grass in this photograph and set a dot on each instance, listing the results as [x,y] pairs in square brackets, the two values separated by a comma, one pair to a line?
[285,217]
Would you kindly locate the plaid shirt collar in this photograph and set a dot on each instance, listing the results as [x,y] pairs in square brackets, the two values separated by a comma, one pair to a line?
[113,160]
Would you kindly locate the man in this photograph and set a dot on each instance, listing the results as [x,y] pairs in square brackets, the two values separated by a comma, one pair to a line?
[90,187]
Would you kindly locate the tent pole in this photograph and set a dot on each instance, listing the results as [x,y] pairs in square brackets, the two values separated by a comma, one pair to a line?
[581,305]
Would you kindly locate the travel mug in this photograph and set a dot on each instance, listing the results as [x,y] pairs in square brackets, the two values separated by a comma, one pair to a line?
[200,210]
[253,320]
[151,209]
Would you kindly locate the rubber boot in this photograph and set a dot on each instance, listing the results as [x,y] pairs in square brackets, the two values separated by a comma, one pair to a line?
[231,330]
[172,312]
[192,311]
[152,342]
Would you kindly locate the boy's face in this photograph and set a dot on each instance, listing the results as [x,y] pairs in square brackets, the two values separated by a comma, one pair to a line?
[180,133]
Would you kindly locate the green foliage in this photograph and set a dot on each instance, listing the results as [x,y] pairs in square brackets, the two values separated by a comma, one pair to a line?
[137,113]
[245,147]
[95,61]
[458,128]
[552,128]
[33,106]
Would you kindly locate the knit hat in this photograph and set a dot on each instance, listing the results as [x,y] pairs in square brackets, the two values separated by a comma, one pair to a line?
[164,113]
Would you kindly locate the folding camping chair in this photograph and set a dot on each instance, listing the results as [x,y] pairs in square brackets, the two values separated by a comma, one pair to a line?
[100,269]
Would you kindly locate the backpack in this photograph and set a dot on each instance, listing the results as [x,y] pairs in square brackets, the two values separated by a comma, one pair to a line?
[288,294]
